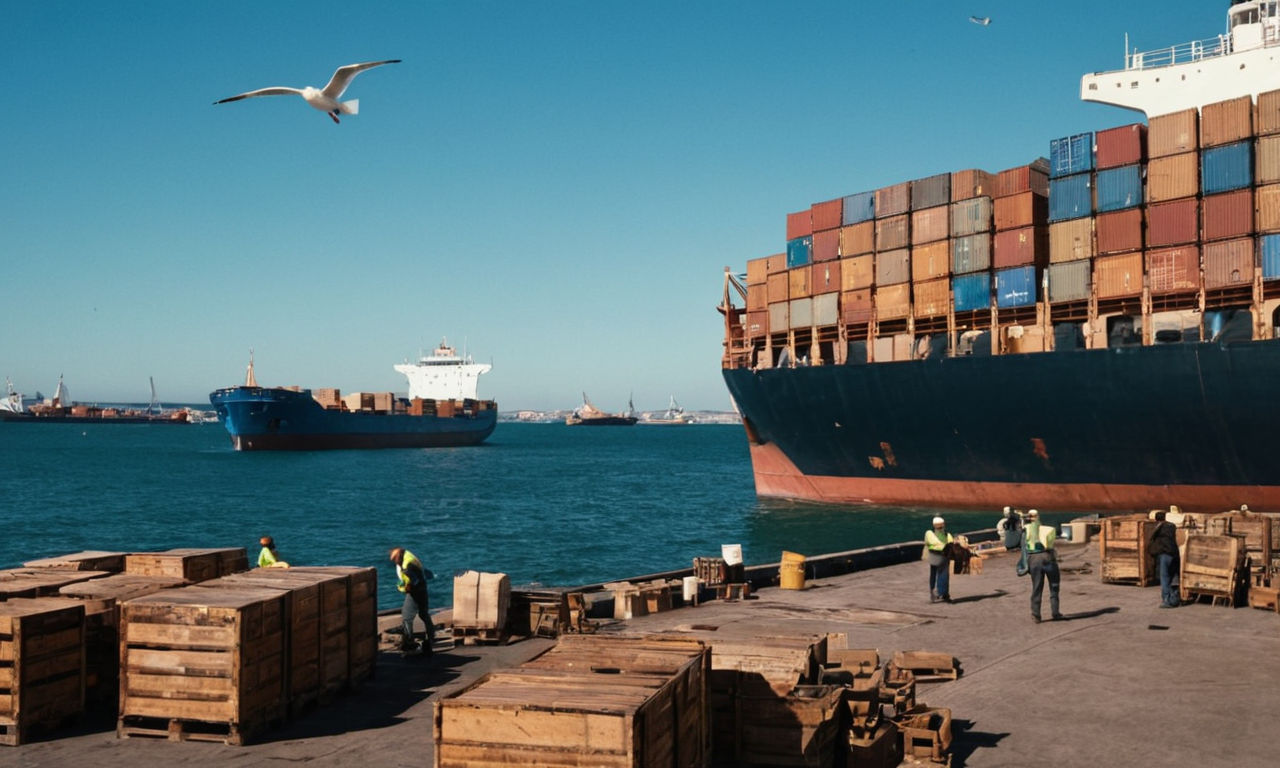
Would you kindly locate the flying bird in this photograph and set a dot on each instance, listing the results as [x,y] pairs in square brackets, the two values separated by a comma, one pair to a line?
[324,99]
[982,20]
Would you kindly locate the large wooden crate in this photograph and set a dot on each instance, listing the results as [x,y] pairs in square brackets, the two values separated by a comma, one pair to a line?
[799,729]
[192,565]
[362,618]
[1259,538]
[205,664]
[1213,566]
[41,665]
[480,602]
[40,582]
[558,711]
[92,560]
[1122,549]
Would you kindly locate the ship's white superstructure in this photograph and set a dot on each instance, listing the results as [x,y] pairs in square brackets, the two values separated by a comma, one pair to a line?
[1244,61]
[443,375]
[12,401]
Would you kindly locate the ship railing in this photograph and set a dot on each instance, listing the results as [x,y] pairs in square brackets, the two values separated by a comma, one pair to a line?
[1196,50]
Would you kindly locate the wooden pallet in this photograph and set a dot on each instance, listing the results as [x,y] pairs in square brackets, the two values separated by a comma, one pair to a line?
[928,666]
[474,635]
[13,734]
[1266,598]
[178,729]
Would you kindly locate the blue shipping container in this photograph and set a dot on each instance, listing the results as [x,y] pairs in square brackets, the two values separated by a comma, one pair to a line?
[1016,287]
[1270,247]
[1071,154]
[1119,188]
[972,291]
[1071,197]
[798,251]
[1225,168]
[859,208]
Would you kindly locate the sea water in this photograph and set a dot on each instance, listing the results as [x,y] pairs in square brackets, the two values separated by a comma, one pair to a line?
[546,504]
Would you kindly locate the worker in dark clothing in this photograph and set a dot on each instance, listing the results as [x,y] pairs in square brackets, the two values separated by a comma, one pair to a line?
[1163,544]
[1042,561]
[412,581]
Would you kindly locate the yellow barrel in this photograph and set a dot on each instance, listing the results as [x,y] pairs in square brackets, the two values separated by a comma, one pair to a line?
[791,572]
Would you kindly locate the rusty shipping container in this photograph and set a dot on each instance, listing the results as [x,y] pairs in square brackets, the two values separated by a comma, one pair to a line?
[798,286]
[893,267]
[1229,262]
[855,306]
[1173,223]
[1266,169]
[930,224]
[757,297]
[971,254]
[1119,231]
[858,239]
[892,232]
[1069,281]
[1174,270]
[1227,216]
[1267,208]
[1226,121]
[1019,247]
[825,277]
[1071,240]
[1118,276]
[1124,145]
[827,214]
[893,200]
[1267,115]
[972,216]
[893,302]
[931,191]
[931,298]
[758,269]
[1173,176]
[1033,177]
[826,245]
[971,183]
[757,324]
[779,287]
[931,261]
[779,317]
[857,272]
[799,224]
[826,309]
[1021,210]
[1173,133]
[802,312]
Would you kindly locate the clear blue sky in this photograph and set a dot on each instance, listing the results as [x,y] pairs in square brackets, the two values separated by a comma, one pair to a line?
[559,184]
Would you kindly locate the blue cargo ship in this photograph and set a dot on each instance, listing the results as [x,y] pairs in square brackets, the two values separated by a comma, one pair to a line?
[441,410]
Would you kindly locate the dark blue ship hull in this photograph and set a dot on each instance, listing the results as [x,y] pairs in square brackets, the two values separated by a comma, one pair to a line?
[263,419]
[1126,428]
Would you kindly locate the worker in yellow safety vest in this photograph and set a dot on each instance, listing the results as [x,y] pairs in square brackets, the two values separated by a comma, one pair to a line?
[269,557]
[935,544]
[411,579]
[1042,562]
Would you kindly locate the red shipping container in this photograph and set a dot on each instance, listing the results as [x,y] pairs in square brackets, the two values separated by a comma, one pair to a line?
[1119,275]
[891,201]
[932,298]
[1228,262]
[1023,178]
[827,215]
[1021,210]
[855,306]
[1019,247]
[1125,145]
[757,324]
[826,277]
[1174,270]
[929,225]
[799,224]
[931,261]
[1227,215]
[1119,231]
[891,233]
[1173,223]
[826,245]
[858,239]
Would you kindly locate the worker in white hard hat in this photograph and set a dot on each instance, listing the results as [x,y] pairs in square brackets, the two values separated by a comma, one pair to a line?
[936,540]
[1009,529]
[1042,562]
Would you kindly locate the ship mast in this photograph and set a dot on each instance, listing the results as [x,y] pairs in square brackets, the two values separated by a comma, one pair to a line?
[249,379]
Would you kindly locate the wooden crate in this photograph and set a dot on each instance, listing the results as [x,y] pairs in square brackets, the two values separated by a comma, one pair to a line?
[1258,531]
[480,601]
[926,733]
[799,729]
[191,565]
[1265,598]
[928,666]
[362,619]
[202,664]
[1213,566]
[1122,549]
[880,749]
[525,615]
[91,560]
[40,582]
[710,570]
[41,666]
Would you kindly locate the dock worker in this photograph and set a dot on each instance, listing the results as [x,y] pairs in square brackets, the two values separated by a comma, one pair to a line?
[936,540]
[1163,543]
[1009,529]
[1042,561]
[412,581]
[269,557]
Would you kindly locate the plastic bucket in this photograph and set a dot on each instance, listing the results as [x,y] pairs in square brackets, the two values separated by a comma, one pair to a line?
[791,571]
[732,553]
[689,589]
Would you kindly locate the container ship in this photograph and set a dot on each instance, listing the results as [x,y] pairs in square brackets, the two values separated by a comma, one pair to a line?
[587,415]
[441,410]
[61,410]
[1092,331]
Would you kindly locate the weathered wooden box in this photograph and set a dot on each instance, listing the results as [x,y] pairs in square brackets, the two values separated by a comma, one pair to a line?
[91,560]
[881,749]
[1122,548]
[200,663]
[191,565]
[480,600]
[1213,566]
[798,729]
[361,620]
[41,582]
[926,733]
[41,665]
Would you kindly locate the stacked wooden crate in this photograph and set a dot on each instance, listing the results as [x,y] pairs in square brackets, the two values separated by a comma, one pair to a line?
[40,582]
[203,664]
[1122,548]
[362,619]
[1214,566]
[41,666]
[191,565]
[90,560]
[480,602]
[1257,529]
[597,701]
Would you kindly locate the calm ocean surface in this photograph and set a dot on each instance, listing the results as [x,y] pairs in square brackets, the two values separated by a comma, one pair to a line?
[544,503]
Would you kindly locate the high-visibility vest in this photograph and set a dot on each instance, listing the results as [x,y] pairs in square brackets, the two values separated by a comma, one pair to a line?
[266,558]
[1040,538]
[934,542]
[408,559]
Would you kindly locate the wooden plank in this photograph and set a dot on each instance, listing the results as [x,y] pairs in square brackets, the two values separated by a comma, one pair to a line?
[89,560]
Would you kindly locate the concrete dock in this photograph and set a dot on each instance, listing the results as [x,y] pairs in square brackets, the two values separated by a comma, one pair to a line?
[1118,682]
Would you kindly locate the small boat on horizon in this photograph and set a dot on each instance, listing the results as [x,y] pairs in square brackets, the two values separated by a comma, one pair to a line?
[587,415]
[674,415]
[60,409]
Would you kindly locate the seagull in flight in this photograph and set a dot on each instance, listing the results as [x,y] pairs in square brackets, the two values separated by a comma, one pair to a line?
[324,99]
[980,20]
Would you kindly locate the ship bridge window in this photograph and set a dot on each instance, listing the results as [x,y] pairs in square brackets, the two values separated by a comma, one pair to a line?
[1068,337]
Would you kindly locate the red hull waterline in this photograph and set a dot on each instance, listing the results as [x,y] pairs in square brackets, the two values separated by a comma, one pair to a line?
[777,477]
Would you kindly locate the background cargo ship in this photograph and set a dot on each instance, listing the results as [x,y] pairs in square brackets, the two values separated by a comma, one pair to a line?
[1094,331]
[441,410]
[61,410]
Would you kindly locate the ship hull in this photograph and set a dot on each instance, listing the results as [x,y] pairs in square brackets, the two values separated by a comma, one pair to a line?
[259,419]
[606,421]
[1110,429]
